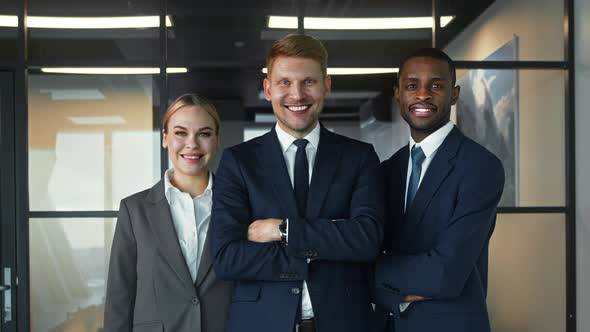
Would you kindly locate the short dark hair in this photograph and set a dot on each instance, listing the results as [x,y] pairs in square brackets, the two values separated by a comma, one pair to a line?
[434,53]
[298,46]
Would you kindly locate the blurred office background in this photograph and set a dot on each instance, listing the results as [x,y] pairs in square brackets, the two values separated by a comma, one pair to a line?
[81,111]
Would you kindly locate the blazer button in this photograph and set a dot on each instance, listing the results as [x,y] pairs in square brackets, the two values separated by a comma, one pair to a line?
[295,291]
[195,301]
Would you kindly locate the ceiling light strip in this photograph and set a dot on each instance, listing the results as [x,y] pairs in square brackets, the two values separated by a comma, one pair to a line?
[8,21]
[356,71]
[119,22]
[340,23]
[111,70]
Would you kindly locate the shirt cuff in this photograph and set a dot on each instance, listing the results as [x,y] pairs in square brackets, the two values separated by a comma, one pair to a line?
[403,306]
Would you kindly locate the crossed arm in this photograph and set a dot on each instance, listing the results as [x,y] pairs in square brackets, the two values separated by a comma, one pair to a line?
[442,271]
[251,250]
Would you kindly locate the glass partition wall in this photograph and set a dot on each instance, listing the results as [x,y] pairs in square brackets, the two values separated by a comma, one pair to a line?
[93,96]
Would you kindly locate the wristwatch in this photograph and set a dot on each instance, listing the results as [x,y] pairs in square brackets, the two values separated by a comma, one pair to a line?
[283,231]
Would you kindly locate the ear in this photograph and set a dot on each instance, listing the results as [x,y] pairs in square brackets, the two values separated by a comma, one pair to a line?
[455,95]
[164,135]
[266,87]
[328,85]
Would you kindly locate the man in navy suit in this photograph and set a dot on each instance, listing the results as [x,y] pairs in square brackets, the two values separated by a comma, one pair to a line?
[298,212]
[442,194]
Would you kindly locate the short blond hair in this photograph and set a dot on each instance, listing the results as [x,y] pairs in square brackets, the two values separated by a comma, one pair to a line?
[298,46]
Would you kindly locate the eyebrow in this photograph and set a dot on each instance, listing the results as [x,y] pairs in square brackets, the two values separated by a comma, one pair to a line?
[432,79]
[200,129]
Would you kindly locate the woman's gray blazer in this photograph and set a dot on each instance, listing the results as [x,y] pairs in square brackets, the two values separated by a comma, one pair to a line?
[149,286]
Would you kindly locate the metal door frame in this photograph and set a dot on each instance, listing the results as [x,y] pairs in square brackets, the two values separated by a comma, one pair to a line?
[8,257]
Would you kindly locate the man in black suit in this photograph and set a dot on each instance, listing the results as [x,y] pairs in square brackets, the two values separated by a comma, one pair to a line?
[442,194]
[298,212]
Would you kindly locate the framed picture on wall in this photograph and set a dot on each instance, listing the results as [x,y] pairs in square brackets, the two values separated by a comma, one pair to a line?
[487,112]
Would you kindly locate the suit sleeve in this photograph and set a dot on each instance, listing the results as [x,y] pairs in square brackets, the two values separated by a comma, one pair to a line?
[236,258]
[441,273]
[121,284]
[356,238]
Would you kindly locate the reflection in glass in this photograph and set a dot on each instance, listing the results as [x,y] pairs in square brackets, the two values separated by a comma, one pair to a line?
[522,123]
[68,263]
[92,140]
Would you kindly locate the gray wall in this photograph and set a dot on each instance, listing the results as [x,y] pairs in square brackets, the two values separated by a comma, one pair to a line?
[582,31]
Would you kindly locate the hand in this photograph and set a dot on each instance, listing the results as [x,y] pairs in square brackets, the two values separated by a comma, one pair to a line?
[264,230]
[414,298]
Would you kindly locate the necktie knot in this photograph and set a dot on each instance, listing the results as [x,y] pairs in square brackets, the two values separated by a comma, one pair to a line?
[301,143]
[417,155]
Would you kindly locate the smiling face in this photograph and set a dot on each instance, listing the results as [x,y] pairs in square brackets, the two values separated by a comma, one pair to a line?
[296,88]
[191,140]
[425,95]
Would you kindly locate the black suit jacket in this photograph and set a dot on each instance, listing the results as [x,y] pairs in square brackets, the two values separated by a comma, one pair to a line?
[341,234]
[439,247]
[149,285]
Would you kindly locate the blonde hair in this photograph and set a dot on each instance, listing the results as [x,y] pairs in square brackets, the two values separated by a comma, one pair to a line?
[191,99]
[298,46]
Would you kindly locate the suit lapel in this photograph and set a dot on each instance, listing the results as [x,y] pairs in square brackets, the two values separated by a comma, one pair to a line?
[272,161]
[159,216]
[326,160]
[438,170]
[402,171]
[205,261]
[205,264]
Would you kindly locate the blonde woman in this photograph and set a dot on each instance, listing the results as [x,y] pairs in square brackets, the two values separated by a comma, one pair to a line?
[160,275]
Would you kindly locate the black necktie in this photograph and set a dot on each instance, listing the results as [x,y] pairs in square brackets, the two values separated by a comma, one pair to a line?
[301,176]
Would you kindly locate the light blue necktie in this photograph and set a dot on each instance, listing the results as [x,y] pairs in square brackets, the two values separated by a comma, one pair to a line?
[417,159]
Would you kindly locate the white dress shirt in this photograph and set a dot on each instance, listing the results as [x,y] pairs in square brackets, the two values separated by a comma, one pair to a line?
[191,220]
[429,146]
[289,150]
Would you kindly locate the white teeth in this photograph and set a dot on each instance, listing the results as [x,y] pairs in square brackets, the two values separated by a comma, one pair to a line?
[421,110]
[297,108]
[191,157]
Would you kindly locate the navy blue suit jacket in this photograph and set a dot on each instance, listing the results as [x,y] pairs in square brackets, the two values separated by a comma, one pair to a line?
[439,248]
[341,234]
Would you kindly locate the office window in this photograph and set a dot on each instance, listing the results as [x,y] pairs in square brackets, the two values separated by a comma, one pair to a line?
[69,265]
[92,140]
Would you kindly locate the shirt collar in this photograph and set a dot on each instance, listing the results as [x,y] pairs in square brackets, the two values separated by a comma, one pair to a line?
[431,143]
[287,140]
[169,187]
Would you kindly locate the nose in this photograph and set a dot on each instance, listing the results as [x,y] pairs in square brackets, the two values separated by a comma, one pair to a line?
[296,91]
[423,93]
[192,141]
